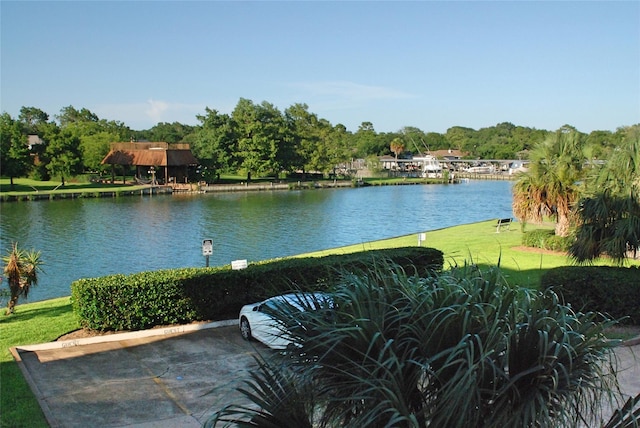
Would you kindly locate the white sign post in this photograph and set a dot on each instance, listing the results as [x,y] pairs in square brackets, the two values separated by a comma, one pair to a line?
[421,238]
[207,249]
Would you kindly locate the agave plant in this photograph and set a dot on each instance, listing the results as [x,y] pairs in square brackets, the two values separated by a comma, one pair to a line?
[456,349]
[21,269]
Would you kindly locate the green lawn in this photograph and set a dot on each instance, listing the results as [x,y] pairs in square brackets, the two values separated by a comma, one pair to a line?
[26,186]
[32,323]
[45,321]
[479,243]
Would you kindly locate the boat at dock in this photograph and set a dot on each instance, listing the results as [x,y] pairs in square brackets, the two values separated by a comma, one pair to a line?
[429,166]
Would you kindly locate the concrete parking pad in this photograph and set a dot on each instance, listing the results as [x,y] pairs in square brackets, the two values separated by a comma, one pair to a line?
[174,380]
[165,378]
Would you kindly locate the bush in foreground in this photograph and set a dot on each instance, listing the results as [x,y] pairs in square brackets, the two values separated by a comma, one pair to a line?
[453,349]
[614,291]
[147,299]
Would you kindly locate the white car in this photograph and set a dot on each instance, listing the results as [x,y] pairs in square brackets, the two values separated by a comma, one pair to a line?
[256,321]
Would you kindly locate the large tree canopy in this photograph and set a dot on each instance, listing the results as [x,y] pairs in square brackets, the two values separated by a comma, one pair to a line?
[264,145]
[62,153]
[214,143]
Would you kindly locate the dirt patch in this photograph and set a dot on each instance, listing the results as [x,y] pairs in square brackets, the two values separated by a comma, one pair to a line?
[85,332]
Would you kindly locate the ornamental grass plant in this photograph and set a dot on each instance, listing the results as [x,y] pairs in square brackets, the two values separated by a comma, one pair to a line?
[458,349]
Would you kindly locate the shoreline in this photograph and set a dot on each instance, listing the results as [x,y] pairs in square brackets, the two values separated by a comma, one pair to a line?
[132,189]
[200,188]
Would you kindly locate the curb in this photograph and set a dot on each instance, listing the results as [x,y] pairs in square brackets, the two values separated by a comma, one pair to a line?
[632,342]
[168,331]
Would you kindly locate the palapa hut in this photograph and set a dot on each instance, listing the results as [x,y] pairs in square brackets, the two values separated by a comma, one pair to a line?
[169,163]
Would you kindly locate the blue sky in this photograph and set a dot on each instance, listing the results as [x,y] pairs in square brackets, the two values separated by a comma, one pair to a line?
[427,64]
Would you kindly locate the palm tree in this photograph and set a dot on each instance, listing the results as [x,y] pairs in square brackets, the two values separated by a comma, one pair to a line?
[455,349]
[609,216]
[21,269]
[397,147]
[550,187]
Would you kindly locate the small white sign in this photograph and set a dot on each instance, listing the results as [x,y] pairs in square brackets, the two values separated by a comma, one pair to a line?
[207,247]
[239,264]
[421,238]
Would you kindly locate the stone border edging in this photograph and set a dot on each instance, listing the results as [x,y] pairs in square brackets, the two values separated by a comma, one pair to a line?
[125,336]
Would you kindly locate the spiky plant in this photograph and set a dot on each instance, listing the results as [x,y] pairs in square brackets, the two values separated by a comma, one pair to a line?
[455,349]
[21,269]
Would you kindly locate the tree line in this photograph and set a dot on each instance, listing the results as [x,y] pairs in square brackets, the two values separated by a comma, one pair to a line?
[255,138]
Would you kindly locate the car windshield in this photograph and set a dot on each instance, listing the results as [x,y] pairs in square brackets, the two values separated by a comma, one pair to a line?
[300,302]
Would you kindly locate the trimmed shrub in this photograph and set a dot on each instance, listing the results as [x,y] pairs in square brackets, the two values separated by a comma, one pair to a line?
[547,240]
[147,299]
[613,291]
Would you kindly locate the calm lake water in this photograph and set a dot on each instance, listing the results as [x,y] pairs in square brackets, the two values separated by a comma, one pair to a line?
[95,237]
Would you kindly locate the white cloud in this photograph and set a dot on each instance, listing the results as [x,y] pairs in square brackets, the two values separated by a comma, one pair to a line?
[156,110]
[144,115]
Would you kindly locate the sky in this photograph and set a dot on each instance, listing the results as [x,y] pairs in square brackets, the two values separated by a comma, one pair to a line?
[426,64]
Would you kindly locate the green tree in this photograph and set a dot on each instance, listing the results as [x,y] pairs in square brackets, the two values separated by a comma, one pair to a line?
[455,349]
[263,144]
[95,134]
[551,185]
[463,139]
[601,143]
[337,140]
[171,133]
[310,139]
[69,115]
[303,128]
[94,148]
[63,156]
[15,159]
[31,119]
[214,143]
[415,140]
[366,141]
[609,214]
[436,141]
[21,270]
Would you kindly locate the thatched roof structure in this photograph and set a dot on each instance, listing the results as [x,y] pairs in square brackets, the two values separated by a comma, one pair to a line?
[150,154]
[173,159]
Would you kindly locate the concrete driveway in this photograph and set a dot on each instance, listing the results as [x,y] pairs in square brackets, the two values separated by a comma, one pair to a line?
[173,377]
[161,378]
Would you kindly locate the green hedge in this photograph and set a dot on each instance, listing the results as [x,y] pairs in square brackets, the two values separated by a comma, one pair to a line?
[547,240]
[610,290]
[147,299]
